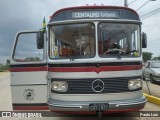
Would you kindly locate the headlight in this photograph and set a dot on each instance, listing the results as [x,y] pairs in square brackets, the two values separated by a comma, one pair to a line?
[134,84]
[60,86]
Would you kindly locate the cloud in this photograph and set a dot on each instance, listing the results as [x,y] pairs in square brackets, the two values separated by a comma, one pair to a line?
[21,15]
[151,26]
[17,15]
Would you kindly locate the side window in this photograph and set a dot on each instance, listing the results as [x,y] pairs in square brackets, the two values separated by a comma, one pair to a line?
[26,48]
[134,40]
[121,42]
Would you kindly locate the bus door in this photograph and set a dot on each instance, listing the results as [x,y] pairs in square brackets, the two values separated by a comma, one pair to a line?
[28,73]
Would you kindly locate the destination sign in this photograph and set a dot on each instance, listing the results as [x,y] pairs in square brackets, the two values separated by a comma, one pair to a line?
[95,14]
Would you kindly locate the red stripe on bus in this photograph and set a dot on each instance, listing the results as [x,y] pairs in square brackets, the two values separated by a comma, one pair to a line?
[30,108]
[94,69]
[28,69]
[77,69]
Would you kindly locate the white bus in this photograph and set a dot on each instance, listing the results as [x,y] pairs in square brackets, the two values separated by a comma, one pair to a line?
[88,61]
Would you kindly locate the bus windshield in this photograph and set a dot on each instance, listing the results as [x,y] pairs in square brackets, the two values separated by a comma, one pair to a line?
[118,39]
[72,41]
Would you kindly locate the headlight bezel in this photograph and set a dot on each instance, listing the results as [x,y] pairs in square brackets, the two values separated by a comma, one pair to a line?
[62,86]
[134,84]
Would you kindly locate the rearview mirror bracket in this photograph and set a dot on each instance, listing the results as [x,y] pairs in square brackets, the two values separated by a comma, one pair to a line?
[40,39]
[144,40]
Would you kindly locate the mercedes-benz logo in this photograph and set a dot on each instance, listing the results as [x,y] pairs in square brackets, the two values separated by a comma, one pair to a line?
[98,85]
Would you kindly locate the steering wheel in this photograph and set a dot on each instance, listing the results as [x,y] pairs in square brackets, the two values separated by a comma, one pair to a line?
[115,51]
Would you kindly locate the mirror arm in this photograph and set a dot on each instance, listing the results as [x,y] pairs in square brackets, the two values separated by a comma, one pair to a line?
[40,39]
[144,40]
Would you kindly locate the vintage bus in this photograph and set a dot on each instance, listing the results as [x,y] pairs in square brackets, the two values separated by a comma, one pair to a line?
[89,60]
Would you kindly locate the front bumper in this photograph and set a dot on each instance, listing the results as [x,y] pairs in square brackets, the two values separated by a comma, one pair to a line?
[156,78]
[120,105]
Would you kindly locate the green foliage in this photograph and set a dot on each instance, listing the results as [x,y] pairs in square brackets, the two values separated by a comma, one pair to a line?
[147,56]
[156,58]
[4,67]
[8,62]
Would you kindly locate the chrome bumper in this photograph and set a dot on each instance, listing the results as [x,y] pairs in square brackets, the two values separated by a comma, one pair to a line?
[55,105]
[156,78]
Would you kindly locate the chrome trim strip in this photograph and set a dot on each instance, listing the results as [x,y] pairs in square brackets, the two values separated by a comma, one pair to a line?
[83,95]
[65,106]
[127,104]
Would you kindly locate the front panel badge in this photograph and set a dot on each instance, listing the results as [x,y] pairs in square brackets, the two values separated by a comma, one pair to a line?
[29,94]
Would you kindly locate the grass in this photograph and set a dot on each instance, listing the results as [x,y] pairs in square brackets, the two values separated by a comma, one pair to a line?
[4,68]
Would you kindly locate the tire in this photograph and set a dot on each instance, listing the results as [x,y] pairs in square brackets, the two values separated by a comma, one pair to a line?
[152,79]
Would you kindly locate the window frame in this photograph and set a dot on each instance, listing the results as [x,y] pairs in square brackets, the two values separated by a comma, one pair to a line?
[15,46]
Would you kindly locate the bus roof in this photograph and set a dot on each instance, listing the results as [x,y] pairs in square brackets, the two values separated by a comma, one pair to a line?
[94,12]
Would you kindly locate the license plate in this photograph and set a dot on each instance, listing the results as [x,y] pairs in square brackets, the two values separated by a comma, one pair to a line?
[98,106]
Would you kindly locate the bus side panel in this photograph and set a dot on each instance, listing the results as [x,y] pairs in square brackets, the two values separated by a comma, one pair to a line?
[29,90]
[29,97]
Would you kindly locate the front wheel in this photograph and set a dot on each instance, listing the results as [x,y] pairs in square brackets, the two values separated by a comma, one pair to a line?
[152,79]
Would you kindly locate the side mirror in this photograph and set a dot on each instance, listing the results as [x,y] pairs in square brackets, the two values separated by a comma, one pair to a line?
[144,40]
[40,39]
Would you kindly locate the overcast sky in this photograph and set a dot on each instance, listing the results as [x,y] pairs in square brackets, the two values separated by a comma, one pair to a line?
[16,15]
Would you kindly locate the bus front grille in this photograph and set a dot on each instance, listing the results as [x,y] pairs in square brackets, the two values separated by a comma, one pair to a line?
[85,86]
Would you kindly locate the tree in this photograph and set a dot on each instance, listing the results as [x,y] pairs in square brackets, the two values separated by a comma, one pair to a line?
[156,58]
[147,56]
[8,62]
